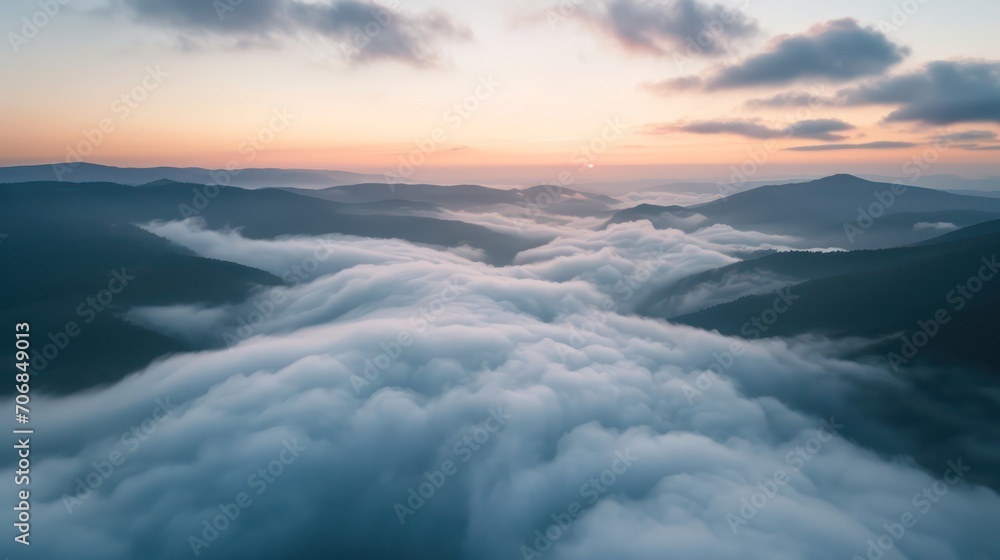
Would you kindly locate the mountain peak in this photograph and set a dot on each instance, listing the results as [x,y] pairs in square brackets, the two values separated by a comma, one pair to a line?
[841,179]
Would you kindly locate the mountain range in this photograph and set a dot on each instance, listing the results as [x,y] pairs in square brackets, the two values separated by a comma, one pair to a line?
[839,211]
[894,275]
[251,178]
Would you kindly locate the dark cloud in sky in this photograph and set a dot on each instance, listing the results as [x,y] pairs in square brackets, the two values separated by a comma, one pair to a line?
[791,99]
[688,27]
[250,17]
[942,92]
[979,147]
[818,129]
[838,51]
[971,135]
[362,31]
[881,145]
[835,51]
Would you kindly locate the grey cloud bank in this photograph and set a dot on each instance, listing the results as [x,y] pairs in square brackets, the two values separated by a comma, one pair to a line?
[836,51]
[364,31]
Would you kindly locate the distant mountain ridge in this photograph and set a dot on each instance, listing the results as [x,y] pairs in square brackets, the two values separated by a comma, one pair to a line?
[876,294]
[261,213]
[253,178]
[837,211]
[547,198]
[941,182]
[74,235]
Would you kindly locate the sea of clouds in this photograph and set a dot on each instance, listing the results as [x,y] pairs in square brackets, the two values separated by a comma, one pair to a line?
[402,401]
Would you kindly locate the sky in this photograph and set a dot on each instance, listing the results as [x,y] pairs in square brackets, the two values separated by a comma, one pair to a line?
[514,91]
